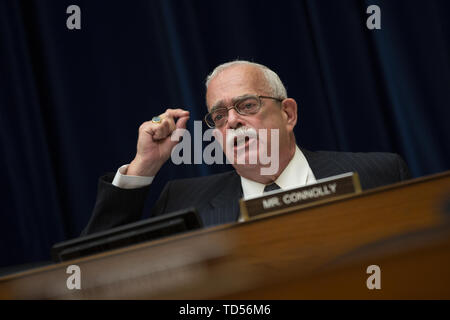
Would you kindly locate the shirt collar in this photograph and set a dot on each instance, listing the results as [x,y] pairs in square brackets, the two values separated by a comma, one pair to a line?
[294,175]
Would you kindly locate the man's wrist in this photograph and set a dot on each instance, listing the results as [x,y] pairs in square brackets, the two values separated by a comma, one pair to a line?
[141,168]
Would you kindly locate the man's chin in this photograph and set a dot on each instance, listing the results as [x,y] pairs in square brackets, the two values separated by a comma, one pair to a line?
[243,158]
[242,168]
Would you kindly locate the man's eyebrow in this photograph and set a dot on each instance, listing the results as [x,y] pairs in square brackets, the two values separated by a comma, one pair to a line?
[244,96]
[221,104]
[217,105]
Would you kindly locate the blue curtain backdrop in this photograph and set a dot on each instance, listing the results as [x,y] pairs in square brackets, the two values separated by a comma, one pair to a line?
[72,100]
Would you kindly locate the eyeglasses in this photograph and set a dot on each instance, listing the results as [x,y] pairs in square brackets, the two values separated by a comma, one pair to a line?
[246,105]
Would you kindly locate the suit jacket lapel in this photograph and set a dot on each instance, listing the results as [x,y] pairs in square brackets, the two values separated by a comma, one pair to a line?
[224,205]
[322,166]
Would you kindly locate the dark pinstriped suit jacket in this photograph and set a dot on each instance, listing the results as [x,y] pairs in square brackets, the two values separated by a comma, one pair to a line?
[216,196]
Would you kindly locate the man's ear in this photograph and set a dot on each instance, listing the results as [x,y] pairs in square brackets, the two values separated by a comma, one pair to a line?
[289,109]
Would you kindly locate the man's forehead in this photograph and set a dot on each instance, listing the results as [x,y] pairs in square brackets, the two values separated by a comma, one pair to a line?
[232,84]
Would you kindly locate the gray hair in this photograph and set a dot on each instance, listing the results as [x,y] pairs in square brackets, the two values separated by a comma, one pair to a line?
[273,81]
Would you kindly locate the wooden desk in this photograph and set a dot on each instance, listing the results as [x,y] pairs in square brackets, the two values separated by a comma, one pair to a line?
[318,252]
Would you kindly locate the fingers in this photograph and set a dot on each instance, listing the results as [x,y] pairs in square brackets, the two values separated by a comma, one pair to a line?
[181,122]
[176,113]
[162,130]
[176,135]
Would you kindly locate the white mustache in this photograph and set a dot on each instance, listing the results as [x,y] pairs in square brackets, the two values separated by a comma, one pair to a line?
[240,133]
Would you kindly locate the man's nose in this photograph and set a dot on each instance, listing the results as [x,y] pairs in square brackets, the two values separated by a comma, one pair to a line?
[234,119]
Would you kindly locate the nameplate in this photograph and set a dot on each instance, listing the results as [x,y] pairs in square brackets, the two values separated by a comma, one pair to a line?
[280,201]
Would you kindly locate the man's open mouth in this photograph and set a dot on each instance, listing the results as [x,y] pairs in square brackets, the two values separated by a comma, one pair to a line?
[241,141]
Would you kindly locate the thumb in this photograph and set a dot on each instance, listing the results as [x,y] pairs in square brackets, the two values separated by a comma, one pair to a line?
[181,122]
[180,130]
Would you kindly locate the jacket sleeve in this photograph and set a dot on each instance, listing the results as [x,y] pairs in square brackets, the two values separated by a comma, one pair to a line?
[115,206]
[404,172]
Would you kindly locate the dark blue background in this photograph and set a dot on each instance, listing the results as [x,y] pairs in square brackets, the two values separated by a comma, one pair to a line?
[72,101]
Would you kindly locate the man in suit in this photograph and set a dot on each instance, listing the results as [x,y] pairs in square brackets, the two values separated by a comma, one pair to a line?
[242,97]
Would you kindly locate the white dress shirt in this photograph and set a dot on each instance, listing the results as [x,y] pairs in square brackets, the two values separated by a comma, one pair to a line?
[296,174]
[124,181]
